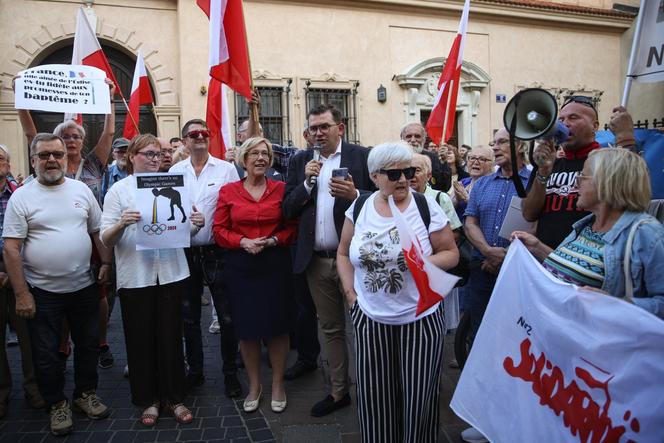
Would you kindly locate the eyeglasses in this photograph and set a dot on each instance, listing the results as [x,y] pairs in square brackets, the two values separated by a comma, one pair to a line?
[579,177]
[394,175]
[473,158]
[199,133]
[582,100]
[58,155]
[167,152]
[150,155]
[323,128]
[258,154]
[71,137]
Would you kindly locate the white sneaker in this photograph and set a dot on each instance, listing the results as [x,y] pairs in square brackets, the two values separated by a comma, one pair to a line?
[214,327]
[472,435]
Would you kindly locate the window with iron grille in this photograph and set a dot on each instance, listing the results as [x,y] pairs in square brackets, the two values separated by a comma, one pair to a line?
[343,100]
[272,117]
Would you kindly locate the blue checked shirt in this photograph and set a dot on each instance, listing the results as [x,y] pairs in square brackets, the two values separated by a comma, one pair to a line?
[489,201]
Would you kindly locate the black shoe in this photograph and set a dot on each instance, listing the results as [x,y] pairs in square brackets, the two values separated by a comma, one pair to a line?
[194,380]
[35,400]
[328,405]
[299,369]
[232,387]
[105,357]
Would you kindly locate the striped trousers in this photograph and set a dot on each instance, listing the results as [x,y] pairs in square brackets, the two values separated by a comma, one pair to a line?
[398,373]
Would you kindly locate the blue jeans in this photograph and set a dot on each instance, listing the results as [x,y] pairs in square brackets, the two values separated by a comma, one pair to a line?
[480,286]
[81,309]
[206,267]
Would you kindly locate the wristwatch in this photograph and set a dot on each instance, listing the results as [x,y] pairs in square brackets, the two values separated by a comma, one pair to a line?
[541,179]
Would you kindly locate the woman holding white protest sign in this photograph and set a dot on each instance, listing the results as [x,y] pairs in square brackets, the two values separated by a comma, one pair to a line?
[397,401]
[615,186]
[150,285]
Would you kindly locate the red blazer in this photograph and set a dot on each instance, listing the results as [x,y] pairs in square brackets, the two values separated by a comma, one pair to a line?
[238,215]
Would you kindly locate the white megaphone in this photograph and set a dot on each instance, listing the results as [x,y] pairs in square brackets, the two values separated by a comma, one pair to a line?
[536,114]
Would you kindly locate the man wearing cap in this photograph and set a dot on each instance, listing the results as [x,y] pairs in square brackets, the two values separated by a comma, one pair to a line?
[117,170]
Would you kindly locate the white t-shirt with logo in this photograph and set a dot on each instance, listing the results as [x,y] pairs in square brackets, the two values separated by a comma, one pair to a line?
[55,223]
[386,291]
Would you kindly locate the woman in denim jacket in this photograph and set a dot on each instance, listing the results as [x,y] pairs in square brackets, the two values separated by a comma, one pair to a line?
[615,186]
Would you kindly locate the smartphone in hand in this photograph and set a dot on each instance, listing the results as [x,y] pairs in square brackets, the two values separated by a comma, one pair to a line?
[341,173]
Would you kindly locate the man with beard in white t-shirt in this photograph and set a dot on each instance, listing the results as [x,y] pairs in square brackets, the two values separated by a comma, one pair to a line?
[49,224]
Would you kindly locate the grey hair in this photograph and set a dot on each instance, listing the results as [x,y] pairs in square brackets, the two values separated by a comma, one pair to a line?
[387,154]
[4,149]
[418,124]
[60,129]
[44,137]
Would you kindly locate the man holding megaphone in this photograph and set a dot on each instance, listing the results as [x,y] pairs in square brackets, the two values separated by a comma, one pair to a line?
[552,198]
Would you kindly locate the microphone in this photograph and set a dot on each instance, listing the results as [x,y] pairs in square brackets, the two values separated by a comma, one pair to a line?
[317,148]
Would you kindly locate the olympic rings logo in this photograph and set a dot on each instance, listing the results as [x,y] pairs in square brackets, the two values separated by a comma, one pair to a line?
[154,229]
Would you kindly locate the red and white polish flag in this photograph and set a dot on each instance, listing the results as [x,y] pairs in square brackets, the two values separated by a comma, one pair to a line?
[217,119]
[88,52]
[229,54]
[432,283]
[440,125]
[140,95]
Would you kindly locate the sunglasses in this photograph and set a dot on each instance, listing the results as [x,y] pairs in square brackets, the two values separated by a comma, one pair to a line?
[199,133]
[582,100]
[394,175]
[58,155]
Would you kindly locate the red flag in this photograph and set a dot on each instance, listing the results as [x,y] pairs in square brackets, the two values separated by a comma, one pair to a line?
[440,125]
[432,283]
[140,95]
[217,119]
[88,52]
[229,54]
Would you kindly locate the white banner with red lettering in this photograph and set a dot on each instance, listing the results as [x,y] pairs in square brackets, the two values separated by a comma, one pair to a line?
[554,363]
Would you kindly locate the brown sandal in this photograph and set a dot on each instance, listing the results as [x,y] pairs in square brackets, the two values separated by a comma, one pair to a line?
[181,413]
[150,415]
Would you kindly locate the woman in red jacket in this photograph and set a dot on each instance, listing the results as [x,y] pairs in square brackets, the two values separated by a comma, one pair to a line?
[249,224]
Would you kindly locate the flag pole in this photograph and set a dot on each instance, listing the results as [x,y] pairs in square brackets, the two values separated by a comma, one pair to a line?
[129,113]
[632,57]
[253,109]
[446,116]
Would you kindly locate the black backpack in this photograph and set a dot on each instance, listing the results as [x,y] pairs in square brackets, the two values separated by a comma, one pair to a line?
[460,270]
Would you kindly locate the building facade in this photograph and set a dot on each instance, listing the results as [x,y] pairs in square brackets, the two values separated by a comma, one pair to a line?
[379,60]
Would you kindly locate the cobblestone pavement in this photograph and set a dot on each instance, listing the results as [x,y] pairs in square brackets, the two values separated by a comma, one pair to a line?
[217,419]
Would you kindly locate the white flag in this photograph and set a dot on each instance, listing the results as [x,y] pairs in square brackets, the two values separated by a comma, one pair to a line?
[553,363]
[433,284]
[649,61]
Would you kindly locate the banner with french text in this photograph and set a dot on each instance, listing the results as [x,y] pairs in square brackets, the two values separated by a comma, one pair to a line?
[554,363]
[74,89]
[163,202]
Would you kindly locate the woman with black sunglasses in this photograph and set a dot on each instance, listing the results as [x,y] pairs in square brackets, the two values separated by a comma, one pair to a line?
[397,400]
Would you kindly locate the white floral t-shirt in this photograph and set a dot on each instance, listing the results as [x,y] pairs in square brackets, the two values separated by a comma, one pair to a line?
[386,291]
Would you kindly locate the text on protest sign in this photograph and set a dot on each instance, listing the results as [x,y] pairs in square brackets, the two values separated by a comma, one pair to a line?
[74,89]
[164,205]
[649,62]
[555,363]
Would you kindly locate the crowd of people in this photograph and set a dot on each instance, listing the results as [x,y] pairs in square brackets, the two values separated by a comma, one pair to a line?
[292,241]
